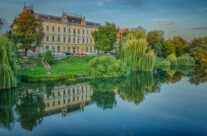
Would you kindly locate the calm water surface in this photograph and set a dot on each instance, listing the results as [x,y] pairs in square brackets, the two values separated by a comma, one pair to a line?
[165,102]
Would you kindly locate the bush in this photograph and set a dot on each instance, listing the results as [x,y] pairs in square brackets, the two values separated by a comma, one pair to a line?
[172,59]
[48,57]
[106,66]
[165,63]
[185,60]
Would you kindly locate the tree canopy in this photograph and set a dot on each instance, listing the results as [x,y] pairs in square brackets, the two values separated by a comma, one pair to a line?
[106,36]
[29,28]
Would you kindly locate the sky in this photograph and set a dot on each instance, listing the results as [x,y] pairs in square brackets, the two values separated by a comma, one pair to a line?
[186,18]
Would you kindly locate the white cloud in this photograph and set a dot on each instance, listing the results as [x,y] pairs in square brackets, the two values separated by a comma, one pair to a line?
[100,3]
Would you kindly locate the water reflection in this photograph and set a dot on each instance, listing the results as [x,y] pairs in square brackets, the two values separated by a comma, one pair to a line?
[30,103]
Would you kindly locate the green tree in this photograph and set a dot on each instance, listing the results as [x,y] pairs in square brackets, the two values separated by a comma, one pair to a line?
[168,48]
[155,39]
[29,28]
[199,46]
[180,44]
[134,52]
[106,36]
[7,64]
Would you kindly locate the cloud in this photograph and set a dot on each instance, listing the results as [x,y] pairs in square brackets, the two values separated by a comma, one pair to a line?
[100,3]
[204,9]
[165,22]
[199,28]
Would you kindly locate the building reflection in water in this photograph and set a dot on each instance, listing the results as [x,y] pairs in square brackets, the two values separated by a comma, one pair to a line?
[62,98]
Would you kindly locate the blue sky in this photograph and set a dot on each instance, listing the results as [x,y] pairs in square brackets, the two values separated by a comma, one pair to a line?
[187,18]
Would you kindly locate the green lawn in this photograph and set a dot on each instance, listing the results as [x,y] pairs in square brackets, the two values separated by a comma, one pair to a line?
[69,67]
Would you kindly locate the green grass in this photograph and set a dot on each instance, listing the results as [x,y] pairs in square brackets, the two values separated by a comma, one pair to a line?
[69,67]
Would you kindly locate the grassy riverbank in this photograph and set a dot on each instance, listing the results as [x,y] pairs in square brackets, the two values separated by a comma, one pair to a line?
[67,68]
[70,67]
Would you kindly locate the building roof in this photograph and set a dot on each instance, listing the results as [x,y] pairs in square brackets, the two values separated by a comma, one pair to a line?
[70,19]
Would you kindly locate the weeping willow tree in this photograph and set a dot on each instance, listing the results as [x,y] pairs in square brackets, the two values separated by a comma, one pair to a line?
[134,52]
[7,64]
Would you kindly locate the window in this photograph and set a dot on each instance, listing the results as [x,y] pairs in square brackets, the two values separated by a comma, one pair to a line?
[63,101]
[48,105]
[47,38]
[68,51]
[91,40]
[91,49]
[74,31]
[68,30]
[53,94]
[78,31]
[53,38]
[53,29]
[87,40]
[53,103]
[58,93]
[77,98]
[58,102]
[64,48]
[64,92]
[78,40]
[83,40]
[77,49]
[68,39]
[64,30]
[69,89]
[47,28]
[53,48]
[83,31]
[64,39]
[47,48]
[86,49]
[58,49]
[58,29]
[68,100]
[73,40]
[48,96]
[58,38]
[87,31]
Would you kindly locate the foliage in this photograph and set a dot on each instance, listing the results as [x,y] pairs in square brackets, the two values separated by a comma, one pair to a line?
[168,48]
[172,59]
[7,64]
[106,36]
[48,57]
[185,60]
[134,52]
[134,87]
[106,66]
[29,28]
[180,44]
[199,46]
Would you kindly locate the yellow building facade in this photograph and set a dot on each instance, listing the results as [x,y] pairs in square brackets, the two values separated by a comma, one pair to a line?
[66,33]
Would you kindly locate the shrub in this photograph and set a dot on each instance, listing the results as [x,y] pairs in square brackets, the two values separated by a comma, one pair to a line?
[49,57]
[172,59]
[106,66]
[185,60]
[165,63]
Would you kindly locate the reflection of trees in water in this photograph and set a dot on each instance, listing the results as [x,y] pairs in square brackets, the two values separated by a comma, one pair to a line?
[8,99]
[30,111]
[199,75]
[104,95]
[136,85]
